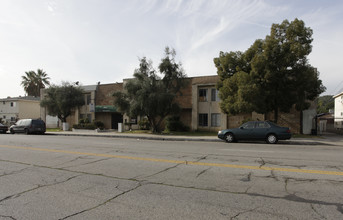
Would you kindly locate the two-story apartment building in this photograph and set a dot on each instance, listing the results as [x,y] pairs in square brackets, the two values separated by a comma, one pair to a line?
[13,109]
[200,108]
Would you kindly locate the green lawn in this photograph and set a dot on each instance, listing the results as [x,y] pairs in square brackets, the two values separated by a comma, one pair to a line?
[208,133]
[305,136]
[53,129]
[176,133]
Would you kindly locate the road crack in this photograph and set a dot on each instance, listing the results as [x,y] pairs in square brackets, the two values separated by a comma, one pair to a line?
[202,158]
[262,162]
[315,210]
[165,170]
[103,203]
[35,188]
[248,178]
[202,172]
[246,211]
[13,172]
[7,216]
[273,176]
[87,163]
[290,197]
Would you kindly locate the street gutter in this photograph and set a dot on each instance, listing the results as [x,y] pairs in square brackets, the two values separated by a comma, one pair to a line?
[293,141]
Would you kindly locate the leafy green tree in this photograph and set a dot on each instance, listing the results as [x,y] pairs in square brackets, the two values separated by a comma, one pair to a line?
[61,100]
[150,95]
[325,103]
[34,81]
[272,75]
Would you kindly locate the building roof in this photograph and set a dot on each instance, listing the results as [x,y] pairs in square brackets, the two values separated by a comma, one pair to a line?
[89,88]
[338,95]
[26,98]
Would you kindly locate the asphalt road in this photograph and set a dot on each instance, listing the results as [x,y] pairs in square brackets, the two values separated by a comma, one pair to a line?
[56,177]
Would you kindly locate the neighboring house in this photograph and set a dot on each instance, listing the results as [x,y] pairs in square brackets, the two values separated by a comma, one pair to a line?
[13,109]
[338,111]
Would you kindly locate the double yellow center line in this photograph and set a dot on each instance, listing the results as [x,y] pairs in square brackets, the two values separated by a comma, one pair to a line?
[336,173]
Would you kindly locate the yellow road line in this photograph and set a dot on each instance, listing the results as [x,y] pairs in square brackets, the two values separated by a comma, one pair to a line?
[180,161]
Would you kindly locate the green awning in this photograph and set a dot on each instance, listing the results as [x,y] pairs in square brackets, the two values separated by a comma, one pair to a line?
[105,108]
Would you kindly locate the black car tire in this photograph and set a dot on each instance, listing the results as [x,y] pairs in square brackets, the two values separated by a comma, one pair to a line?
[26,131]
[229,138]
[11,131]
[271,139]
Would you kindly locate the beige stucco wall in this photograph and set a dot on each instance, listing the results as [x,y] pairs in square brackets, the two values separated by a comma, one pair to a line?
[29,109]
[106,118]
[205,107]
[338,111]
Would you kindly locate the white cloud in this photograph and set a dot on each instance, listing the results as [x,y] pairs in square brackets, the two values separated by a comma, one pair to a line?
[90,41]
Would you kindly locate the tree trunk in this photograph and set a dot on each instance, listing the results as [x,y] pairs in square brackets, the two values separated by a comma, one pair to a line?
[301,122]
[276,115]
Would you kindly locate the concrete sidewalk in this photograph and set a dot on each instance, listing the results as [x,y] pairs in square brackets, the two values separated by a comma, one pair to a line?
[325,139]
[113,134]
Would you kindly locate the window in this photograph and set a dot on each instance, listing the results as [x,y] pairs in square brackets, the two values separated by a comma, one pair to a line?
[262,124]
[89,117]
[12,104]
[214,95]
[4,117]
[88,97]
[248,125]
[12,118]
[134,121]
[202,95]
[215,120]
[203,120]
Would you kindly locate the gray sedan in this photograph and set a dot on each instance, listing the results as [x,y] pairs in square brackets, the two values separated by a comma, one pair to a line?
[256,130]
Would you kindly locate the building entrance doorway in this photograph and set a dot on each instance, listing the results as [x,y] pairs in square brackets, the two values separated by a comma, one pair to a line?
[116,118]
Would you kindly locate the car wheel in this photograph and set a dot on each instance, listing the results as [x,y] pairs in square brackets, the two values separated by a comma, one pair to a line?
[26,131]
[11,131]
[229,138]
[272,139]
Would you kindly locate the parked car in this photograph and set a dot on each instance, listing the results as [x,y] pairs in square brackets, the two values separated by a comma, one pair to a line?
[3,128]
[28,126]
[256,130]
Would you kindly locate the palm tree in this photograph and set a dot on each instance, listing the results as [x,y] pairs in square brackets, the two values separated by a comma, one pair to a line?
[33,82]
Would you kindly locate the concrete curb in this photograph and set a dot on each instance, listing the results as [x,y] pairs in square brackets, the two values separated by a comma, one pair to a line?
[180,138]
[163,138]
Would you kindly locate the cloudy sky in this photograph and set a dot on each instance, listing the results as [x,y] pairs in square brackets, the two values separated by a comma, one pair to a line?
[101,40]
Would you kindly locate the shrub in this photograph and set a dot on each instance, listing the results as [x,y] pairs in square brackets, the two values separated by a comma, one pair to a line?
[144,124]
[82,121]
[173,123]
[99,124]
[88,126]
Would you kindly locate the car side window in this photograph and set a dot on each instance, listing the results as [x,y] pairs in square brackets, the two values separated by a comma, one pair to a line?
[262,124]
[27,123]
[248,125]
